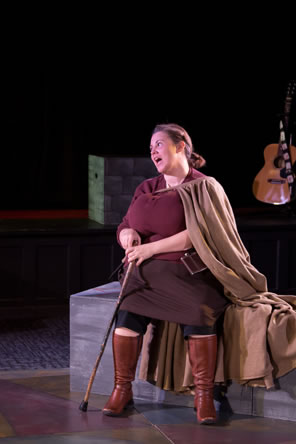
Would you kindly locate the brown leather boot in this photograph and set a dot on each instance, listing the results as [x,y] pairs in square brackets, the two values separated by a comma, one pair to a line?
[202,356]
[126,351]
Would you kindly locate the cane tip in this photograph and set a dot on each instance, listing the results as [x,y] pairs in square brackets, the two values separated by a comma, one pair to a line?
[83,406]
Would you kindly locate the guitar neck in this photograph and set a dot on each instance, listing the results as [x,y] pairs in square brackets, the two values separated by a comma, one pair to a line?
[286,156]
[290,95]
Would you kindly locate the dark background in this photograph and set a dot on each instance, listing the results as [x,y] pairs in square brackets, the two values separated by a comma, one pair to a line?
[58,109]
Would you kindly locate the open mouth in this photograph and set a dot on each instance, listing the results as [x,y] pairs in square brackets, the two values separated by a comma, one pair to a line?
[157,160]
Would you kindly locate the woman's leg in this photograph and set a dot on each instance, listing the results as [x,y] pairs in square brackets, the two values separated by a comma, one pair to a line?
[126,343]
[202,350]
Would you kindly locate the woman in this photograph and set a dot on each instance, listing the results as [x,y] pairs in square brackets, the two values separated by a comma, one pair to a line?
[153,233]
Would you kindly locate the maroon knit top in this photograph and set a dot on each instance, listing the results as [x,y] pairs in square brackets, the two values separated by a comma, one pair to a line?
[156,216]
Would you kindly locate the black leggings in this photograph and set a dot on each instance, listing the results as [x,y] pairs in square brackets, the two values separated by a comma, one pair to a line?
[139,323]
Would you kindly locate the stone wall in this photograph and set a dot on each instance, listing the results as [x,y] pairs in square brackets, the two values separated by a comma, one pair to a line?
[111,185]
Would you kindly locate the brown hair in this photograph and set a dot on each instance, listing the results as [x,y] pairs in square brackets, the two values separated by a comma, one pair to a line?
[177,134]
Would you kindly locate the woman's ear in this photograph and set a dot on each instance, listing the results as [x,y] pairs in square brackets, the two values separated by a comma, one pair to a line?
[180,146]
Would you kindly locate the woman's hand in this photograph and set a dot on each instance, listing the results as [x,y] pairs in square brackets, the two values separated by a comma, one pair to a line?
[129,237]
[139,253]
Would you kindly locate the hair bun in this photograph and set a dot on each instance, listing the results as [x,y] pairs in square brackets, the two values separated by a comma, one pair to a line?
[197,161]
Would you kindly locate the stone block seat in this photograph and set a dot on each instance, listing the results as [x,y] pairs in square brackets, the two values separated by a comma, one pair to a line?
[90,315]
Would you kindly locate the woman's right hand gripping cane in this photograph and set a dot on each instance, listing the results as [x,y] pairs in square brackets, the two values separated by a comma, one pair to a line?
[129,237]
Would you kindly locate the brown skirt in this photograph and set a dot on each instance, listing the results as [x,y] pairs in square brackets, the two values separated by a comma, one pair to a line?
[165,290]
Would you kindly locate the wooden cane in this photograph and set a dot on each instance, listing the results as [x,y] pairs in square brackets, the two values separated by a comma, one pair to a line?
[84,404]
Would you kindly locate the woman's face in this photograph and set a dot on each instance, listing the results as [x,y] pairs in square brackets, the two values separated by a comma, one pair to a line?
[163,152]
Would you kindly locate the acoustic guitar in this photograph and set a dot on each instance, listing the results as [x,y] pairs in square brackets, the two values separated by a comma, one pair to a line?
[275,183]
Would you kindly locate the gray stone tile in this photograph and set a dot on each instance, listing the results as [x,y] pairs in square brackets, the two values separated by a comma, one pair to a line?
[119,166]
[278,402]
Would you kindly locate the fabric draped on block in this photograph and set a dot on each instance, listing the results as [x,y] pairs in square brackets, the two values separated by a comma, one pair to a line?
[258,341]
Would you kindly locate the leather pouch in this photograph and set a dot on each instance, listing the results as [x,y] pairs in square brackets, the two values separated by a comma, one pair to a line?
[193,262]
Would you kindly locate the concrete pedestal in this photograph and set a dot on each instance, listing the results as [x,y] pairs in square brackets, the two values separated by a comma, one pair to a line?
[90,314]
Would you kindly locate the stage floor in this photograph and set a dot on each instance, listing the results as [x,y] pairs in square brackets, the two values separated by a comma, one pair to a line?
[36,406]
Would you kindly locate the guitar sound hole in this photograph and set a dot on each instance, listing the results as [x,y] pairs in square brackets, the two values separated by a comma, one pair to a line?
[279,162]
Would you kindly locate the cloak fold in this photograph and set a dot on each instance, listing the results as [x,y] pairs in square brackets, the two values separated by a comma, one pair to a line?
[258,339]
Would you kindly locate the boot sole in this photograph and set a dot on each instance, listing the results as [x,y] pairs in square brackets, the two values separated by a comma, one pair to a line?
[207,421]
[128,406]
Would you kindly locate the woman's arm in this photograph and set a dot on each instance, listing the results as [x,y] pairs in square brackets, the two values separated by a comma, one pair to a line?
[125,234]
[177,242]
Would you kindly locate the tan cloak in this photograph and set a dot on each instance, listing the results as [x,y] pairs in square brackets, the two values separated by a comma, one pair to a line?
[258,342]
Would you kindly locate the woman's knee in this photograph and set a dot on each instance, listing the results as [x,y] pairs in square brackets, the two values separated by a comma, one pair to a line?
[123,331]
[131,322]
